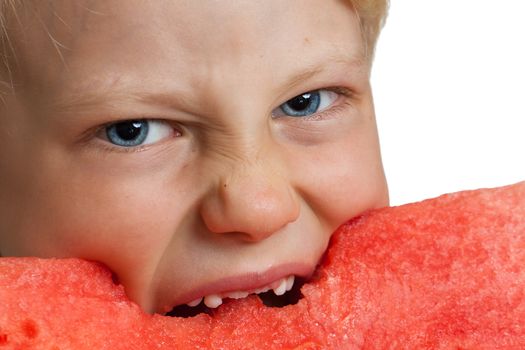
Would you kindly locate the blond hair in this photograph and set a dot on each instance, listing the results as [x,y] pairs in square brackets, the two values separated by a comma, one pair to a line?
[372,15]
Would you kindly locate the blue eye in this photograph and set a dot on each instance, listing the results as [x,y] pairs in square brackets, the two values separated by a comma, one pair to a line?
[306,104]
[302,105]
[128,134]
[133,133]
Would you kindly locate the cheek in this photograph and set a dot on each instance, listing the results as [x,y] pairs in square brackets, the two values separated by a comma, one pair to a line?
[119,220]
[344,178]
[125,219]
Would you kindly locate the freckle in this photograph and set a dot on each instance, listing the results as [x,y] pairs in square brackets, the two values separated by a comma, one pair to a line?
[306,41]
[30,329]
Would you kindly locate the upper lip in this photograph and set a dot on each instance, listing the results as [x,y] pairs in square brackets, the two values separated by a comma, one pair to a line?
[242,282]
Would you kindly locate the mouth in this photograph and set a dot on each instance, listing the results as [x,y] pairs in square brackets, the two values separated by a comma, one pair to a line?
[273,291]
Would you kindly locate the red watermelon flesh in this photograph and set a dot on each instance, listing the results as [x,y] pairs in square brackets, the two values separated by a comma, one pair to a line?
[446,273]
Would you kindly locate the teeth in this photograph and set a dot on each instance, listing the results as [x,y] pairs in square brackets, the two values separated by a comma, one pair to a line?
[281,288]
[237,295]
[212,301]
[262,290]
[194,302]
[289,282]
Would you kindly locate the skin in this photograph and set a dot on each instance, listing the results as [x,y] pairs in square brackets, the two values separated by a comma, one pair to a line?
[234,187]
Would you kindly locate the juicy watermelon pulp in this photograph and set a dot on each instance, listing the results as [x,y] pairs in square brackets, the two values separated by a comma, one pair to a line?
[444,273]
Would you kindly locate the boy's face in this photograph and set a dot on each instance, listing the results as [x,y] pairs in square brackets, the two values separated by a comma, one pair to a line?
[219,184]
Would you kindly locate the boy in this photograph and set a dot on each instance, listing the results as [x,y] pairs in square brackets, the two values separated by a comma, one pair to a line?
[201,150]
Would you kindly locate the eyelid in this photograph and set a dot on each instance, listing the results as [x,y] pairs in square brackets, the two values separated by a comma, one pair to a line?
[154,135]
[343,92]
[91,136]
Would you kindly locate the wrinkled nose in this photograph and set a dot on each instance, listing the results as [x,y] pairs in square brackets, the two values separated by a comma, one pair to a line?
[253,202]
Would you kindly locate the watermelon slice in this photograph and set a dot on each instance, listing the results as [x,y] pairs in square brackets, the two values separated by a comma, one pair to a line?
[444,273]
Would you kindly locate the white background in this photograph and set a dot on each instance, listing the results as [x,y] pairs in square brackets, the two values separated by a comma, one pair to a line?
[449,89]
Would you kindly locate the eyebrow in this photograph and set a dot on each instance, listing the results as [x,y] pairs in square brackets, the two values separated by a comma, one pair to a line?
[110,98]
[174,101]
[315,69]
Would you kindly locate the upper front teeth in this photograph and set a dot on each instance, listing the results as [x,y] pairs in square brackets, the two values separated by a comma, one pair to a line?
[237,295]
[195,302]
[214,300]
[280,289]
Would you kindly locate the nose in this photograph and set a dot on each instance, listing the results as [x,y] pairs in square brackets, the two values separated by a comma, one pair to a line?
[252,201]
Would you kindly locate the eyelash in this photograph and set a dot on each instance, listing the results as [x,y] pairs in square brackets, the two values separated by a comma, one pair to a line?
[328,113]
[106,146]
[345,99]
[332,111]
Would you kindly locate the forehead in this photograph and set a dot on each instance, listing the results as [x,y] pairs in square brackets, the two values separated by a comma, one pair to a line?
[80,43]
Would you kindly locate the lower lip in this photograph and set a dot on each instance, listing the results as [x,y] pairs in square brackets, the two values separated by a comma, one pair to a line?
[249,281]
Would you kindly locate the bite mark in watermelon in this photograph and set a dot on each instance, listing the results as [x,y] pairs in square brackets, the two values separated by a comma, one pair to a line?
[444,273]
